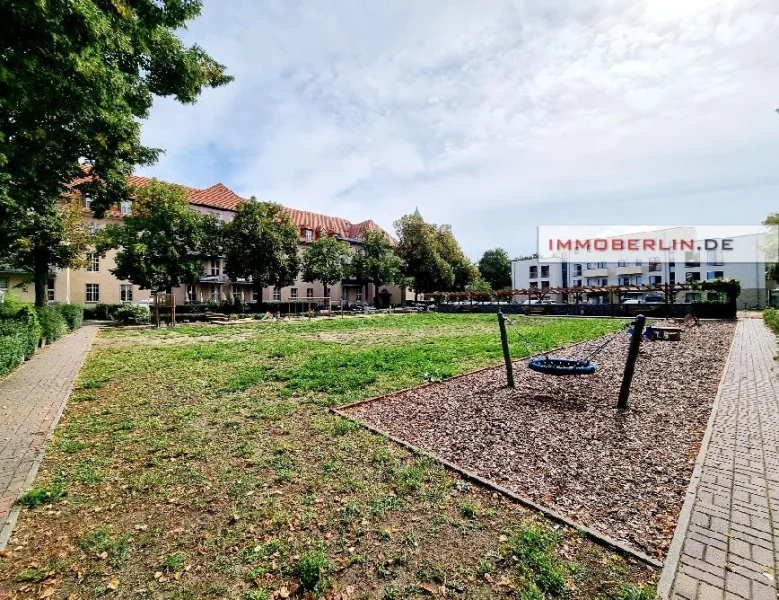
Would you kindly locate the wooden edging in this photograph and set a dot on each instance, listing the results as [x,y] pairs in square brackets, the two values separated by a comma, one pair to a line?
[668,576]
[590,533]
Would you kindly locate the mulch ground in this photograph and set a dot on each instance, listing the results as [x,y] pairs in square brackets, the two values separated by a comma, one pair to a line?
[561,442]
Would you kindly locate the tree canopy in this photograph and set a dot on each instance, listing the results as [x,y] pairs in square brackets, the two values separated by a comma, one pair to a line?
[377,261]
[162,244]
[324,260]
[773,245]
[495,268]
[261,242]
[432,256]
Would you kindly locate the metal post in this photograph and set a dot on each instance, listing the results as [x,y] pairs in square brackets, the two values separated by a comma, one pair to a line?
[630,363]
[506,355]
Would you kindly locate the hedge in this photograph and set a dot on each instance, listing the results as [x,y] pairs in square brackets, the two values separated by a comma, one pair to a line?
[73,315]
[132,314]
[771,318]
[53,325]
[13,335]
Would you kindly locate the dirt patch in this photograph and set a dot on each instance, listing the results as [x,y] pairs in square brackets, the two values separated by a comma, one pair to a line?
[170,340]
[560,440]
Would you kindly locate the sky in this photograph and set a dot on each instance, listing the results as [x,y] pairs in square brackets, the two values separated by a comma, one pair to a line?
[494,116]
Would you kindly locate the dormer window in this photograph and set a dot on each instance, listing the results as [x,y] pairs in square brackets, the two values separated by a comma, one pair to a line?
[308,234]
[126,207]
[88,201]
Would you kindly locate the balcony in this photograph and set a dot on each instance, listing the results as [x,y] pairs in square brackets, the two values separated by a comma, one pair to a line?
[595,273]
[214,279]
[630,270]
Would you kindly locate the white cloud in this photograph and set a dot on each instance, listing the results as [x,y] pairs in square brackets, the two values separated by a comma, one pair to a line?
[491,116]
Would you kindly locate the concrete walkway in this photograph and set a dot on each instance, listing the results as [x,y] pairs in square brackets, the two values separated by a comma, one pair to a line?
[31,401]
[728,533]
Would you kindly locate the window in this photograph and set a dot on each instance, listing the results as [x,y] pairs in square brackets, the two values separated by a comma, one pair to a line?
[237,292]
[358,295]
[93,292]
[344,294]
[577,270]
[692,259]
[692,297]
[544,285]
[622,263]
[623,281]
[309,292]
[655,279]
[714,258]
[596,282]
[255,295]
[126,207]
[545,271]
[715,275]
[308,234]
[533,272]
[277,294]
[87,201]
[533,285]
[654,264]
[215,296]
[639,280]
[93,262]
[50,290]
[639,262]
[3,284]
[672,277]
[293,293]
[692,276]
[126,292]
[597,265]
[191,293]
[216,265]
[577,282]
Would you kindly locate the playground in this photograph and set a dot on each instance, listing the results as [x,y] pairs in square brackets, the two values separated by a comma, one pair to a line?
[562,443]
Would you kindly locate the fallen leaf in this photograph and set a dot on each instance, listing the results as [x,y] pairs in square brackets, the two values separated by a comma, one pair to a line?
[113,584]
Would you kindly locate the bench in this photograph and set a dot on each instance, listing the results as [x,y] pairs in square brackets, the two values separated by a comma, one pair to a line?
[217,318]
[671,331]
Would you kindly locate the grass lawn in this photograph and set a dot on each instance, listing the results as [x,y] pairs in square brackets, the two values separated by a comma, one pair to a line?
[202,462]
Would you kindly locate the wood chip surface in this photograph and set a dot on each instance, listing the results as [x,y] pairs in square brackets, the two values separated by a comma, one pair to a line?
[561,442]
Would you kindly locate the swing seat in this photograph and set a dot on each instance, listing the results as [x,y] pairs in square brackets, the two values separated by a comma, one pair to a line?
[561,366]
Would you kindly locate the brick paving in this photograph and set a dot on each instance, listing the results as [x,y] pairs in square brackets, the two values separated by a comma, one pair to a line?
[31,401]
[730,546]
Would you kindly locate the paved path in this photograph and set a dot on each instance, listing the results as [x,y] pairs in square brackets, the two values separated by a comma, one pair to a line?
[31,402]
[729,548]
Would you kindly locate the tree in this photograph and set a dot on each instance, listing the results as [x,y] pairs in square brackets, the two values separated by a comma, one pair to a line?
[432,256]
[76,78]
[495,268]
[378,261]
[324,260]
[261,242]
[162,244]
[57,237]
[480,285]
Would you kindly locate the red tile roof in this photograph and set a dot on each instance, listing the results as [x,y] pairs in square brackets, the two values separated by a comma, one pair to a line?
[221,197]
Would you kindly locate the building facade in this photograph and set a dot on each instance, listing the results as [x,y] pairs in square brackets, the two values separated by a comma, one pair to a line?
[94,284]
[687,267]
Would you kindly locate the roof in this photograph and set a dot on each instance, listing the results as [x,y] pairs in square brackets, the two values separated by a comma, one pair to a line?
[220,197]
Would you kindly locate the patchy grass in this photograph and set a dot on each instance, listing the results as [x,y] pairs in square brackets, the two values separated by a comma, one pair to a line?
[211,468]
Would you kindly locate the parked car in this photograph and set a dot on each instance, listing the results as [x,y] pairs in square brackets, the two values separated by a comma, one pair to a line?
[646,300]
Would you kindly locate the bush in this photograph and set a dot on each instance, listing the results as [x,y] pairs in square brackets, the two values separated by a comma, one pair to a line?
[73,315]
[12,336]
[131,314]
[53,325]
[31,328]
[771,318]
[102,312]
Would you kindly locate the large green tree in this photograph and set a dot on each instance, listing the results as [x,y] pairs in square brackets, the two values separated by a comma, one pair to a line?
[325,260]
[772,245]
[57,237]
[432,256]
[76,79]
[495,268]
[377,262]
[161,245]
[261,242]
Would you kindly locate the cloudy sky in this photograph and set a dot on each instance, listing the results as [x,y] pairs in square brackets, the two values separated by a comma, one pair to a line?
[494,116]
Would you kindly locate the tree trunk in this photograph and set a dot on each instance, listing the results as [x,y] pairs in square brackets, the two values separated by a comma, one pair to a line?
[169,290]
[324,283]
[375,294]
[41,276]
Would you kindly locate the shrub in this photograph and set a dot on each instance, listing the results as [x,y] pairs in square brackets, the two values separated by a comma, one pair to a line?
[53,325]
[131,314]
[31,328]
[312,570]
[771,318]
[102,312]
[73,315]
[12,335]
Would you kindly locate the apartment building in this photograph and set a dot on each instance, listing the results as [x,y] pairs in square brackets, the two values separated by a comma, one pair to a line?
[95,284]
[672,267]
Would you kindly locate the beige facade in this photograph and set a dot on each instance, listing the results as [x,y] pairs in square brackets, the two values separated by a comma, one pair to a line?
[94,284]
